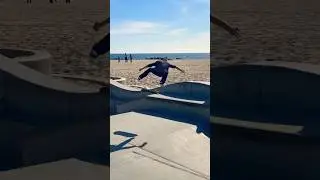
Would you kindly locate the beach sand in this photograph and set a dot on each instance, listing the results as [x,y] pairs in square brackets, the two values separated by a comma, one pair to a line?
[196,70]
[64,30]
[283,30]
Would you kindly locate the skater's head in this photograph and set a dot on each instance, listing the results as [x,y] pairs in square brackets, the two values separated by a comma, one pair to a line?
[164,59]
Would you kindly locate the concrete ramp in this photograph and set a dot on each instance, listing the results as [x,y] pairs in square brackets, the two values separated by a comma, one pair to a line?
[173,151]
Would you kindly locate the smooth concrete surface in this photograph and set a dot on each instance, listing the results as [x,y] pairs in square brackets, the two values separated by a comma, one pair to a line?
[174,150]
[288,92]
[31,96]
[69,169]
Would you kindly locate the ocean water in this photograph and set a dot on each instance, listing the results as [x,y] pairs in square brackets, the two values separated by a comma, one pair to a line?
[144,56]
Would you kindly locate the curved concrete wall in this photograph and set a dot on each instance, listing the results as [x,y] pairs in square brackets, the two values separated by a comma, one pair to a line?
[188,90]
[266,88]
[166,105]
[32,97]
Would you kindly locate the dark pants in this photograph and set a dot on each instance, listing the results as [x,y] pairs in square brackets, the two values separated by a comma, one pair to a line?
[102,47]
[163,75]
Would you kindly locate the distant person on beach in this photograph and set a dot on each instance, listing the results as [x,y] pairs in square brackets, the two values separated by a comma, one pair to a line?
[118,59]
[28,1]
[160,69]
[103,46]
[130,58]
[68,1]
[125,58]
[233,31]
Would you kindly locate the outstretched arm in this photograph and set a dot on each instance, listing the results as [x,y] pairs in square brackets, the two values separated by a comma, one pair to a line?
[149,65]
[224,25]
[99,25]
[176,67]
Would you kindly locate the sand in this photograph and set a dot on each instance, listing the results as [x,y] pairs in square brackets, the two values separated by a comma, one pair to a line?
[283,30]
[196,70]
[64,30]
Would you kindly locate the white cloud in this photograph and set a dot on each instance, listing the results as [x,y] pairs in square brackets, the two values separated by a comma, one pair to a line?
[177,32]
[199,42]
[137,27]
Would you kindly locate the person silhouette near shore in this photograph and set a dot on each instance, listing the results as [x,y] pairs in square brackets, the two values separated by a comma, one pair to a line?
[130,57]
[125,58]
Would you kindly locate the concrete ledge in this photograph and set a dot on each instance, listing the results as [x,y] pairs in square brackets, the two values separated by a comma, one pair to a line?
[37,60]
[270,127]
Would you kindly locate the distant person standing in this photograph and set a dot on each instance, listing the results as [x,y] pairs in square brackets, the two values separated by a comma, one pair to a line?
[118,59]
[68,1]
[28,1]
[130,56]
[160,69]
[125,58]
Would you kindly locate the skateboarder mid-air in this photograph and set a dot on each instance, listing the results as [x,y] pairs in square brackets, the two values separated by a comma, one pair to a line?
[103,46]
[160,69]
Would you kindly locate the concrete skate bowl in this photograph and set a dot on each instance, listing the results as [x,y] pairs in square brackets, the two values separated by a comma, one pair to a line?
[286,93]
[191,90]
[37,60]
[42,115]
[261,110]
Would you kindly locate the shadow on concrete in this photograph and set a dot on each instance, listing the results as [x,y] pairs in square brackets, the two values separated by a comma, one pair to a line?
[121,146]
[202,123]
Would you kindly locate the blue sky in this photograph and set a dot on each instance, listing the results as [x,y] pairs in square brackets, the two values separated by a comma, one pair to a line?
[160,26]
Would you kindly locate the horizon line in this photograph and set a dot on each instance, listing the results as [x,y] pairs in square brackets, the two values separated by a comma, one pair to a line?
[159,52]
